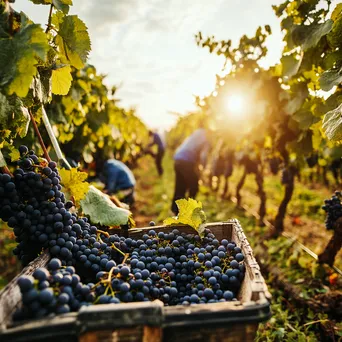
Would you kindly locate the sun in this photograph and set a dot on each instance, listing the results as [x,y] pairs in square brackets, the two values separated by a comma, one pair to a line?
[235,104]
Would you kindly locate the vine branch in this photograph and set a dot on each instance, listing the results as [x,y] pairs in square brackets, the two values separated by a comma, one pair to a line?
[49,20]
[41,142]
[53,139]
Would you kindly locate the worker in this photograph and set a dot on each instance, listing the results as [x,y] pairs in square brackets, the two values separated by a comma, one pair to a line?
[118,179]
[189,155]
[158,156]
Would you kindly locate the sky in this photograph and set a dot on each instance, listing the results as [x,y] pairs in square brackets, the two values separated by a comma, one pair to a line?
[148,49]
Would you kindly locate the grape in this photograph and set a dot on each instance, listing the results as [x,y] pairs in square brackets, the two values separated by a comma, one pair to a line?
[41,274]
[228,295]
[23,150]
[25,283]
[239,257]
[46,296]
[333,208]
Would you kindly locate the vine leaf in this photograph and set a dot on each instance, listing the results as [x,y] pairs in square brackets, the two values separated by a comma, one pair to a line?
[42,2]
[14,117]
[20,55]
[102,210]
[336,12]
[74,182]
[300,94]
[61,80]
[72,39]
[308,36]
[14,154]
[190,213]
[62,5]
[290,65]
[332,124]
[334,37]
[305,119]
[330,78]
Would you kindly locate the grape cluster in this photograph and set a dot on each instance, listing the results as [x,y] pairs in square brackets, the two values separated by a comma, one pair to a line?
[333,208]
[176,268]
[32,204]
[55,290]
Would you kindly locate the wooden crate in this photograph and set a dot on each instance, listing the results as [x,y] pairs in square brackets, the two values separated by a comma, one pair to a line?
[151,321]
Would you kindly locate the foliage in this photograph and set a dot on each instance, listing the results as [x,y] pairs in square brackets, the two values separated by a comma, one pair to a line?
[37,62]
[49,68]
[102,210]
[314,38]
[89,121]
[74,183]
[190,213]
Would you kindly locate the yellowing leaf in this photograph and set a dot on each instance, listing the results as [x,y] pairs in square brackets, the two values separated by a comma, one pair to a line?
[190,213]
[61,80]
[14,154]
[74,182]
[336,12]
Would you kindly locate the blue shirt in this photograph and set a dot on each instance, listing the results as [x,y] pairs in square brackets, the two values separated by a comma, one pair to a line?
[193,147]
[117,176]
[158,141]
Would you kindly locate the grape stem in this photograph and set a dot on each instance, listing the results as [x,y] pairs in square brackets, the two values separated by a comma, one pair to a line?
[41,142]
[125,258]
[53,139]
[103,232]
[118,250]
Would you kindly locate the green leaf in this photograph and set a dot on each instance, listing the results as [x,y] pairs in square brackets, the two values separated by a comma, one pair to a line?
[332,124]
[300,92]
[305,119]
[330,78]
[102,210]
[61,80]
[190,213]
[20,55]
[290,65]
[62,5]
[336,12]
[73,40]
[13,115]
[42,2]
[308,36]
[335,36]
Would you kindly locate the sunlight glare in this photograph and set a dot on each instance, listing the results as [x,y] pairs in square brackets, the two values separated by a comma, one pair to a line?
[235,104]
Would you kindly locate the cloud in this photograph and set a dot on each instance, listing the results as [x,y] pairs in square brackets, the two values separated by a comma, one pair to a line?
[103,14]
[148,46]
